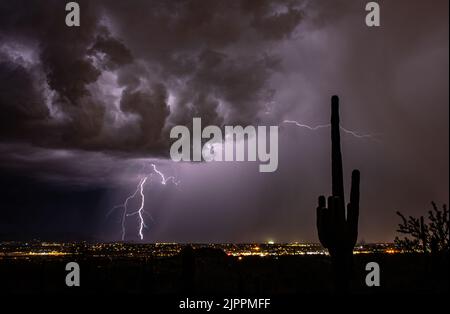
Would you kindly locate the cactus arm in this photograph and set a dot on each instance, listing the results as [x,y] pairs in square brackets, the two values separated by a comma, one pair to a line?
[353,209]
[322,222]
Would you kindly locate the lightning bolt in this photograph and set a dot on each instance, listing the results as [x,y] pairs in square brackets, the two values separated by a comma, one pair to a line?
[312,128]
[321,126]
[164,180]
[140,188]
[138,212]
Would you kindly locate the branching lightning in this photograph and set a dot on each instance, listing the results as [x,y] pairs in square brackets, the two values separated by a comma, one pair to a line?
[138,212]
[164,180]
[312,128]
[140,189]
[321,126]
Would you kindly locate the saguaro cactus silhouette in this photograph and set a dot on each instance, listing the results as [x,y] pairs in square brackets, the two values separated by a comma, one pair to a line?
[338,230]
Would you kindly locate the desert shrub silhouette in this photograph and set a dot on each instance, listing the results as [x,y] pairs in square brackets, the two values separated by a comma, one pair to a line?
[422,236]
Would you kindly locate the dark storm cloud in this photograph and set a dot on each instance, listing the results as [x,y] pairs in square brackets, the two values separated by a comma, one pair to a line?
[214,56]
[62,50]
[115,52]
[150,106]
[22,105]
[213,68]
[65,65]
[61,70]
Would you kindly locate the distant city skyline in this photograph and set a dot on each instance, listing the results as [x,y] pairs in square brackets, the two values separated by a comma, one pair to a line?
[140,250]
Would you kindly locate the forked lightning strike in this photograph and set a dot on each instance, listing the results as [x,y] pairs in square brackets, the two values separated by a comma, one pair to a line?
[163,178]
[141,210]
[141,185]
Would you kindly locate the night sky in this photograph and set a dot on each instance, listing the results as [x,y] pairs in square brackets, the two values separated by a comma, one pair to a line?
[84,111]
